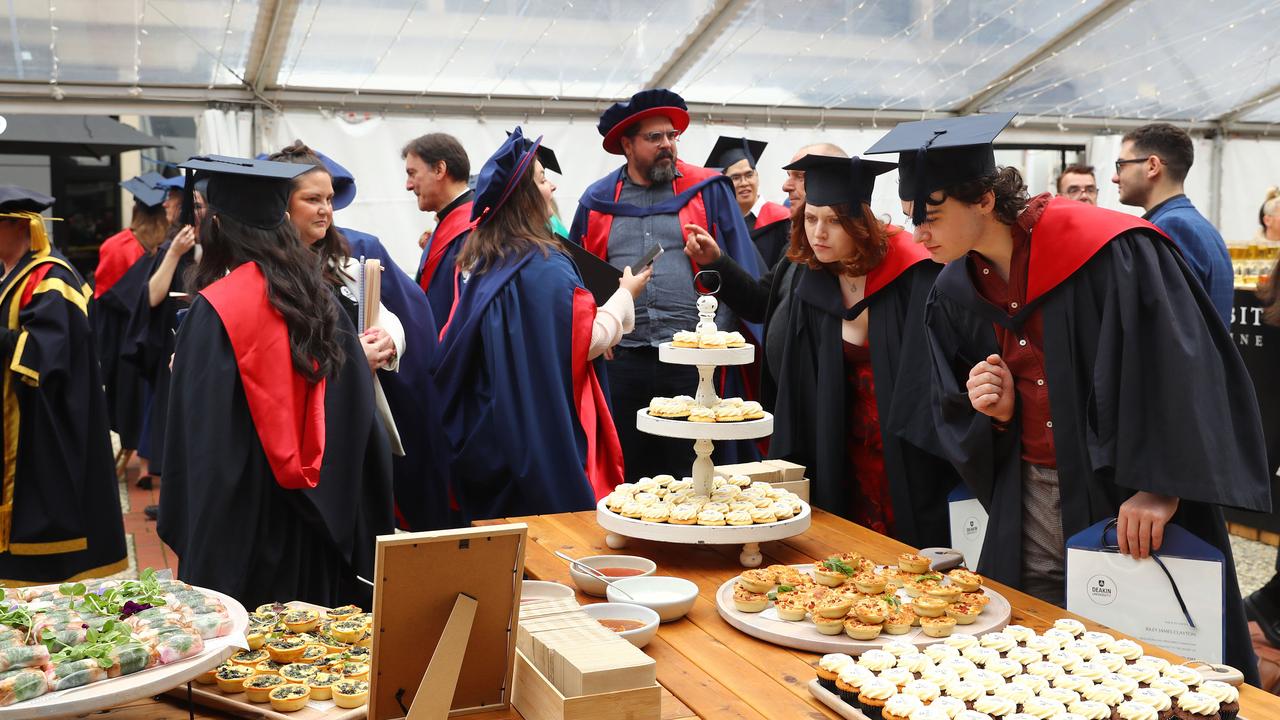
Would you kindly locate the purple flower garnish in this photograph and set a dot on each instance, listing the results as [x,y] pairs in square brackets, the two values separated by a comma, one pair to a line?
[84,626]
[132,608]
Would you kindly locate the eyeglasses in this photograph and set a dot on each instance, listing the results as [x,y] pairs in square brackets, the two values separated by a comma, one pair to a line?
[1121,163]
[657,136]
[1077,191]
[742,177]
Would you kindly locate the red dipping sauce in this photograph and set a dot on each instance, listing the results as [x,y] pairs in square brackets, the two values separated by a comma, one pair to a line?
[620,571]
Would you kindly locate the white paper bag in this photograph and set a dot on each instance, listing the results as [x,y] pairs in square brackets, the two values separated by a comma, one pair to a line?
[1136,597]
[968,524]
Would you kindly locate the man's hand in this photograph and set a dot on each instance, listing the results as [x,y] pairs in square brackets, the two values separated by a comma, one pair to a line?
[423,238]
[991,390]
[1141,520]
[699,245]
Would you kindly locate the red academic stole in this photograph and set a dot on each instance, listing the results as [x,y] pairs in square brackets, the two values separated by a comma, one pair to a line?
[287,411]
[596,238]
[604,451]
[1067,235]
[904,252]
[454,224]
[116,255]
[771,213]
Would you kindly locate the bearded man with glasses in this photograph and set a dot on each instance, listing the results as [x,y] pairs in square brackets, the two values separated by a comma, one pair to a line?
[656,199]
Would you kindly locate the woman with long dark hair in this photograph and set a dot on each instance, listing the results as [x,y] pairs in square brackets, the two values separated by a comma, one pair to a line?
[843,353]
[277,472]
[525,414]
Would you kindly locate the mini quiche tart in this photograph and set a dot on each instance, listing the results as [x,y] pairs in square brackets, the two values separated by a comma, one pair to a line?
[268,667]
[344,612]
[286,649]
[347,631]
[322,683]
[208,678]
[314,653]
[277,608]
[301,621]
[290,698]
[354,670]
[230,678]
[249,657]
[257,687]
[350,693]
[298,672]
[358,654]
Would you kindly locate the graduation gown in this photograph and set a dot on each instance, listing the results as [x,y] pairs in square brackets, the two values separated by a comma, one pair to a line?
[770,231]
[1146,390]
[525,413]
[803,311]
[421,474]
[150,340]
[274,487]
[59,499]
[705,198]
[440,258]
[109,312]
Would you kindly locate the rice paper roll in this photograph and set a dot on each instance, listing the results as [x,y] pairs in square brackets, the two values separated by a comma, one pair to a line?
[211,625]
[178,646]
[76,673]
[23,656]
[129,658]
[19,685]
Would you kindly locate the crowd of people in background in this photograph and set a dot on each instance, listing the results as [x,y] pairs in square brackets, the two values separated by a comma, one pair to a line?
[1065,362]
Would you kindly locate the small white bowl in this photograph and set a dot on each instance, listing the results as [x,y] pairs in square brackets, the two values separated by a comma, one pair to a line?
[627,611]
[671,597]
[543,590]
[594,586]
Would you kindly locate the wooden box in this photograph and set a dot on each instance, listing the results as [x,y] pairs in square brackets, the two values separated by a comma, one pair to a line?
[537,699]
[779,473]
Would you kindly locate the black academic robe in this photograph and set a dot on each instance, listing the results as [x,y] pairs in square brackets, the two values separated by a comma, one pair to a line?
[1146,390]
[126,400]
[150,339]
[771,232]
[234,527]
[804,379]
[60,507]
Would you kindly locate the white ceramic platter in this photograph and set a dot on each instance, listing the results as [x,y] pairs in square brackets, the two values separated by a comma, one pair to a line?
[665,427]
[804,635]
[153,681]
[700,356]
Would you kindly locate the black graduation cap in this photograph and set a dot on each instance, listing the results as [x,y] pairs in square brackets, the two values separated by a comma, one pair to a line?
[14,199]
[545,155]
[148,188]
[255,192]
[729,150]
[833,180]
[934,154]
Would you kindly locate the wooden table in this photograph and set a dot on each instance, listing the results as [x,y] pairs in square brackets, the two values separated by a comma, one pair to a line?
[706,668]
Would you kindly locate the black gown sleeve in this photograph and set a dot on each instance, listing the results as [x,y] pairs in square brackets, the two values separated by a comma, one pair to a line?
[744,294]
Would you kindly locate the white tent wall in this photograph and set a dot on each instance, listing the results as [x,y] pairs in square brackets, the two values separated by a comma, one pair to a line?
[225,132]
[1250,166]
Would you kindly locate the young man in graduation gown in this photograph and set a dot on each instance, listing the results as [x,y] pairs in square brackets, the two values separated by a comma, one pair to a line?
[421,474]
[109,310]
[1078,369]
[524,408]
[768,222]
[59,499]
[828,320]
[655,198]
[436,172]
[277,471]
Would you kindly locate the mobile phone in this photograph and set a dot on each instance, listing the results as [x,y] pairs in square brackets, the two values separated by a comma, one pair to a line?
[649,257]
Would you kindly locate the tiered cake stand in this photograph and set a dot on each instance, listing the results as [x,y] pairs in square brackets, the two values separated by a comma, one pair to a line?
[703,434]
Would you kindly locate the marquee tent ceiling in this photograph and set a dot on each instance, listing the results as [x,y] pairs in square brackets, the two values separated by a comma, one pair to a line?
[1208,62]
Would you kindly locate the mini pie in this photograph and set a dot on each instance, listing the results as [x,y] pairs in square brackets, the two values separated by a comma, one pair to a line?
[343,612]
[249,657]
[301,621]
[348,694]
[322,683]
[937,627]
[749,602]
[290,698]
[757,581]
[354,670]
[858,630]
[258,687]
[230,678]
[912,562]
[285,650]
[298,672]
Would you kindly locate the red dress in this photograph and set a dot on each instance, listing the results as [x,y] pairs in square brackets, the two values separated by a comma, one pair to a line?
[872,507]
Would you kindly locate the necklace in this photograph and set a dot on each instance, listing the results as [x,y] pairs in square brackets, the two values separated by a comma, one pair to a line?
[852,282]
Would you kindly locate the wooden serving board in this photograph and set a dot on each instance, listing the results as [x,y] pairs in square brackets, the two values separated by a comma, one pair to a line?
[804,635]
[238,703]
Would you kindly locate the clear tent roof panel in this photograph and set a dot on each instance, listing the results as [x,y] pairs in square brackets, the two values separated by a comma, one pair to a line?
[1186,59]
[885,54]
[126,42]
[540,48]
[1267,112]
